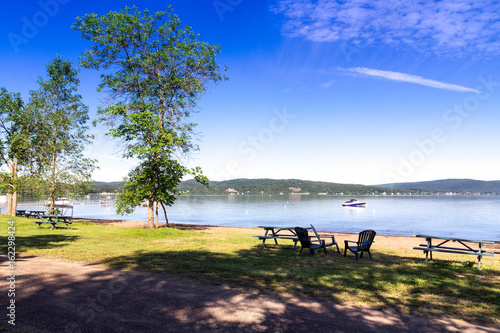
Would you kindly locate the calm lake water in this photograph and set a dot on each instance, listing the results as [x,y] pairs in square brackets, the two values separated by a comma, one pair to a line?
[457,216]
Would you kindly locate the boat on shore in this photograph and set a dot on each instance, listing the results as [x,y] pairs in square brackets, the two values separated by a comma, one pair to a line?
[353,203]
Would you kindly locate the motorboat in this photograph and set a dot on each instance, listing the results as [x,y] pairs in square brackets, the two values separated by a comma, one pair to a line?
[64,205]
[353,203]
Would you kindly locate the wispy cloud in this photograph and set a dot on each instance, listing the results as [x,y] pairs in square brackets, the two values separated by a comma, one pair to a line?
[396,76]
[327,84]
[445,27]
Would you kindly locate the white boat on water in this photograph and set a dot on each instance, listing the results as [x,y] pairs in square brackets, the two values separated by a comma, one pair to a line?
[64,205]
[353,203]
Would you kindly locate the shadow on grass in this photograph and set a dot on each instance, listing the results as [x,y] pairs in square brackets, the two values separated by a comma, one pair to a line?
[401,284]
[86,299]
[48,241]
[192,227]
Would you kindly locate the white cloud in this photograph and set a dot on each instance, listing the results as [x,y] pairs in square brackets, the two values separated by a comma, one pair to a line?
[396,76]
[328,84]
[446,27]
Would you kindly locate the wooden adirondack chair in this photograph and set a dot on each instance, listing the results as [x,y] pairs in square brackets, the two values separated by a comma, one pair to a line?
[363,244]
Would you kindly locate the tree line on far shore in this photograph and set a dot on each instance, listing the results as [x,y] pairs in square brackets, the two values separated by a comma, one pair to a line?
[266,186]
[287,186]
[279,186]
[153,72]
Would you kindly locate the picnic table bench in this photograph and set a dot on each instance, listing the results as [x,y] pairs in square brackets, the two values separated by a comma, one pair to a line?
[275,233]
[53,220]
[464,249]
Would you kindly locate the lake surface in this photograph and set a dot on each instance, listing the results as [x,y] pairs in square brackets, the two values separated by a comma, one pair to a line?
[456,216]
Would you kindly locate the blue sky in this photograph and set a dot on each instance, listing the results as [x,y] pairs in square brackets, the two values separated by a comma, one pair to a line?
[361,91]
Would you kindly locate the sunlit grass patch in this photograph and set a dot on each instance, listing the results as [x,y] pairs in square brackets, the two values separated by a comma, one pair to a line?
[397,280]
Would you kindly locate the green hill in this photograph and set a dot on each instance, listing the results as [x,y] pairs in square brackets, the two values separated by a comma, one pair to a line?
[278,186]
[287,186]
[99,187]
[450,185]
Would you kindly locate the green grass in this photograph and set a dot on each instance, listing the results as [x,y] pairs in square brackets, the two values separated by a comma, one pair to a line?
[396,280]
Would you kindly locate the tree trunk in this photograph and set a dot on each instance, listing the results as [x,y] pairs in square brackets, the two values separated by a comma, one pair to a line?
[151,214]
[157,221]
[52,194]
[165,212]
[14,202]
[9,203]
[51,203]
[12,189]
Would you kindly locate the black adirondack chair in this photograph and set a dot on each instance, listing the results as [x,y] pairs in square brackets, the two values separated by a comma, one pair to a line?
[363,244]
[307,242]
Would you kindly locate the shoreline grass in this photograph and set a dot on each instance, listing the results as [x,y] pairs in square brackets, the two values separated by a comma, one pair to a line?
[394,279]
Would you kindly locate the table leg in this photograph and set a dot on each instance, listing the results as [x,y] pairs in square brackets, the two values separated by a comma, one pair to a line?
[64,221]
[427,252]
[264,240]
[479,257]
[429,245]
[274,235]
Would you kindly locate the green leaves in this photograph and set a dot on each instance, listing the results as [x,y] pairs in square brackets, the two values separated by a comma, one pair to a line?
[57,117]
[12,140]
[160,70]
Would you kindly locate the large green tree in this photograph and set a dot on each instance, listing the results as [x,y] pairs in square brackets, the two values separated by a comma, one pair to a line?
[12,144]
[155,72]
[57,121]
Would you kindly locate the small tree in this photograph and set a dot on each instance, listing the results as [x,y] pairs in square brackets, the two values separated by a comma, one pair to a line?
[12,144]
[161,71]
[56,118]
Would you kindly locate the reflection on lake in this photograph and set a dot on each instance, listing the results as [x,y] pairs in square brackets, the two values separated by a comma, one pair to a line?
[455,216]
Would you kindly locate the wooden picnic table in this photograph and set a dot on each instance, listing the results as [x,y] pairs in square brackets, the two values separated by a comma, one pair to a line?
[276,232]
[53,220]
[464,249]
[20,212]
[35,213]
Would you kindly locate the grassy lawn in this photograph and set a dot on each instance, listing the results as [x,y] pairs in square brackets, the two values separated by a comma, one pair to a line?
[396,280]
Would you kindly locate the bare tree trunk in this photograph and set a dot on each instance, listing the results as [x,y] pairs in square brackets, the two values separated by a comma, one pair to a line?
[12,189]
[52,196]
[14,202]
[52,200]
[157,223]
[9,204]
[151,214]
[14,192]
[165,212]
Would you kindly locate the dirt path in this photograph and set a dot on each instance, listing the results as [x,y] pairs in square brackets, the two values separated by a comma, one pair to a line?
[65,296]
[62,296]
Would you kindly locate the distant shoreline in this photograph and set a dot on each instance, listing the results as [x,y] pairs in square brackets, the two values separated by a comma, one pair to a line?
[299,186]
